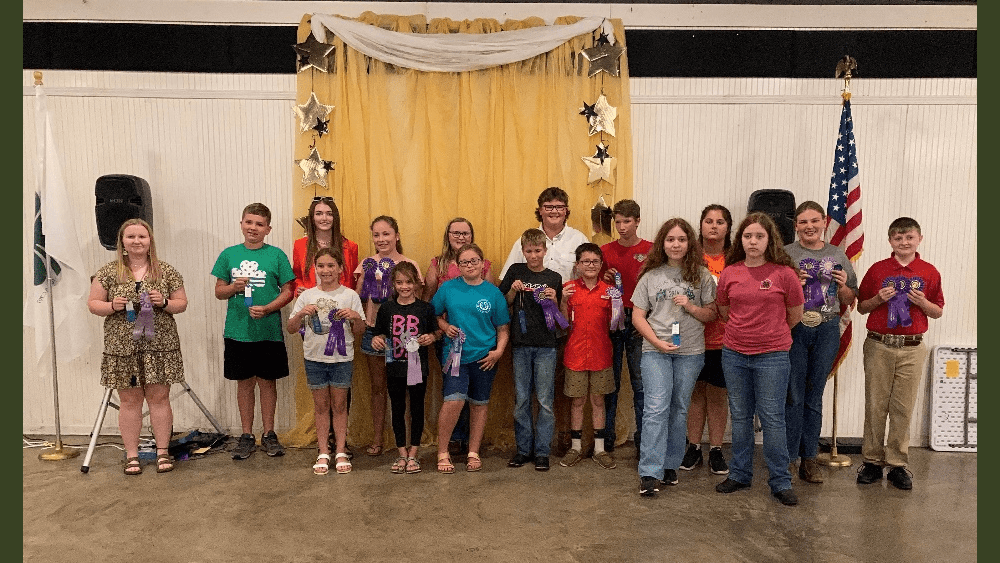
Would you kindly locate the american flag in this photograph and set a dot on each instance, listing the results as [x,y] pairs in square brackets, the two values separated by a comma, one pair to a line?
[843,213]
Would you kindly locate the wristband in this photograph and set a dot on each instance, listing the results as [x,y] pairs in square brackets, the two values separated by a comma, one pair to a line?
[165,302]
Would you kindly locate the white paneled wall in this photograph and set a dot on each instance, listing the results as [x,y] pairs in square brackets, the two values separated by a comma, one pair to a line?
[701,141]
[209,144]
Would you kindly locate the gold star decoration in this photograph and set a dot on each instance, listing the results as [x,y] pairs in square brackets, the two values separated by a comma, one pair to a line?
[311,112]
[604,118]
[603,56]
[601,165]
[314,169]
[312,53]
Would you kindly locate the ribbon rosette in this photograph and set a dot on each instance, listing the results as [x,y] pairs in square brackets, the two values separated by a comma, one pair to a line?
[337,340]
[550,310]
[617,308]
[144,320]
[813,289]
[899,304]
[414,374]
[384,280]
[454,360]
[368,284]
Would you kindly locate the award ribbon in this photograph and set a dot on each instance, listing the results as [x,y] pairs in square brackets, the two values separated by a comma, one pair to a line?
[414,373]
[899,304]
[337,340]
[813,289]
[383,280]
[617,308]
[455,356]
[248,296]
[550,310]
[368,266]
[144,320]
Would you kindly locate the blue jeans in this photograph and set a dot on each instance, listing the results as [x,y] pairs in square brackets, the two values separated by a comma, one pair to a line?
[625,345]
[667,381]
[812,354]
[758,383]
[534,367]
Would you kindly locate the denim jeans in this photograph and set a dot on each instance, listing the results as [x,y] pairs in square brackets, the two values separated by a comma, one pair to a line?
[812,354]
[667,381]
[534,367]
[625,345]
[758,383]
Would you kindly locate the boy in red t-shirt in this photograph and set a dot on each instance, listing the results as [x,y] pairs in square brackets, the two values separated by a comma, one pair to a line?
[625,257]
[901,293]
[587,305]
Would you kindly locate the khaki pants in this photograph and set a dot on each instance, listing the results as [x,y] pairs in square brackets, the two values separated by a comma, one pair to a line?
[892,376]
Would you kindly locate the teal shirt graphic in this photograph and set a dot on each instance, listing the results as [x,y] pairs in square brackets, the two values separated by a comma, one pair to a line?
[268,269]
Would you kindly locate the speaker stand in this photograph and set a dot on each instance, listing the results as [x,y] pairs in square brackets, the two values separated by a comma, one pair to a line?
[107,402]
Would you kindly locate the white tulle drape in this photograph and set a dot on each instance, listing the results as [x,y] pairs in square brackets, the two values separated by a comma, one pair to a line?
[453,52]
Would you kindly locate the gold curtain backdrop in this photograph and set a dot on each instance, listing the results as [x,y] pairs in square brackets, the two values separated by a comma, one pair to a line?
[425,147]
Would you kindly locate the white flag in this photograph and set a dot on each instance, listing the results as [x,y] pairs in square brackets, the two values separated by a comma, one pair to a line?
[55,240]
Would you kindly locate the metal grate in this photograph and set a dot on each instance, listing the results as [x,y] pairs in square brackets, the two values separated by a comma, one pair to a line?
[953,399]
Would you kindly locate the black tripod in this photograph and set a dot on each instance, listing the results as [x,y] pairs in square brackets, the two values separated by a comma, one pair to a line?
[107,402]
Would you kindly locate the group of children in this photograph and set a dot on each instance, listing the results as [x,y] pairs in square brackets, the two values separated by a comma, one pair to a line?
[650,304]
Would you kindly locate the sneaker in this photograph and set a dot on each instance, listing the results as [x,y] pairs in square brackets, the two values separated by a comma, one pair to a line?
[571,458]
[809,470]
[669,477]
[899,477]
[519,460]
[868,473]
[692,458]
[245,446]
[786,497]
[716,462]
[542,463]
[605,460]
[648,486]
[730,486]
[269,443]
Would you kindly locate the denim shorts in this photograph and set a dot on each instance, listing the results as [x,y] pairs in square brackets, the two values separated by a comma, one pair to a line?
[320,375]
[473,384]
[366,343]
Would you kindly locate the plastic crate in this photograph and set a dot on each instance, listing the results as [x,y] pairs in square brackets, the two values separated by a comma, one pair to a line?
[953,399]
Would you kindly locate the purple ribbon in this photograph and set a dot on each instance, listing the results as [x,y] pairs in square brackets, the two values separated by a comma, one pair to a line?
[368,266]
[414,373]
[617,308]
[899,304]
[144,320]
[384,285]
[550,310]
[454,360]
[813,289]
[336,340]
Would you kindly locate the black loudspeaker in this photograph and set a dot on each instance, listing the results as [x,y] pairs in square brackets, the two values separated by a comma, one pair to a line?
[780,206]
[120,197]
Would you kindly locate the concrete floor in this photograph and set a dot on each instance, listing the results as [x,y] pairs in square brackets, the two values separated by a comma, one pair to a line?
[215,509]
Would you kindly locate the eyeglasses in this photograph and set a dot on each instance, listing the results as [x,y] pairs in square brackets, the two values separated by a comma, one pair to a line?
[460,234]
[323,198]
[554,207]
[589,262]
[472,262]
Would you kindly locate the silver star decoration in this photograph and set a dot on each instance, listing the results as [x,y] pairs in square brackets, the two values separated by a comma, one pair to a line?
[604,57]
[314,169]
[314,54]
[311,112]
[605,119]
[601,165]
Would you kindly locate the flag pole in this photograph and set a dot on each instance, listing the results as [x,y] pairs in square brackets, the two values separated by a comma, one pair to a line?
[57,452]
[833,459]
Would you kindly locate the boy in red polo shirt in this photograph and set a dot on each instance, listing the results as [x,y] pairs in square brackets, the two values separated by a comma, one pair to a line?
[587,304]
[901,293]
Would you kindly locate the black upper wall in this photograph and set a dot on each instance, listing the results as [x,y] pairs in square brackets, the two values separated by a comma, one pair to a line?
[651,53]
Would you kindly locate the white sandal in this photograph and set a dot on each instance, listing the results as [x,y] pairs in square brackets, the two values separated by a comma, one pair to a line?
[322,468]
[345,465]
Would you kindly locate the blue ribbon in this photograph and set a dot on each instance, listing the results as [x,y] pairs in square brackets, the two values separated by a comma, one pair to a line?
[337,340]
